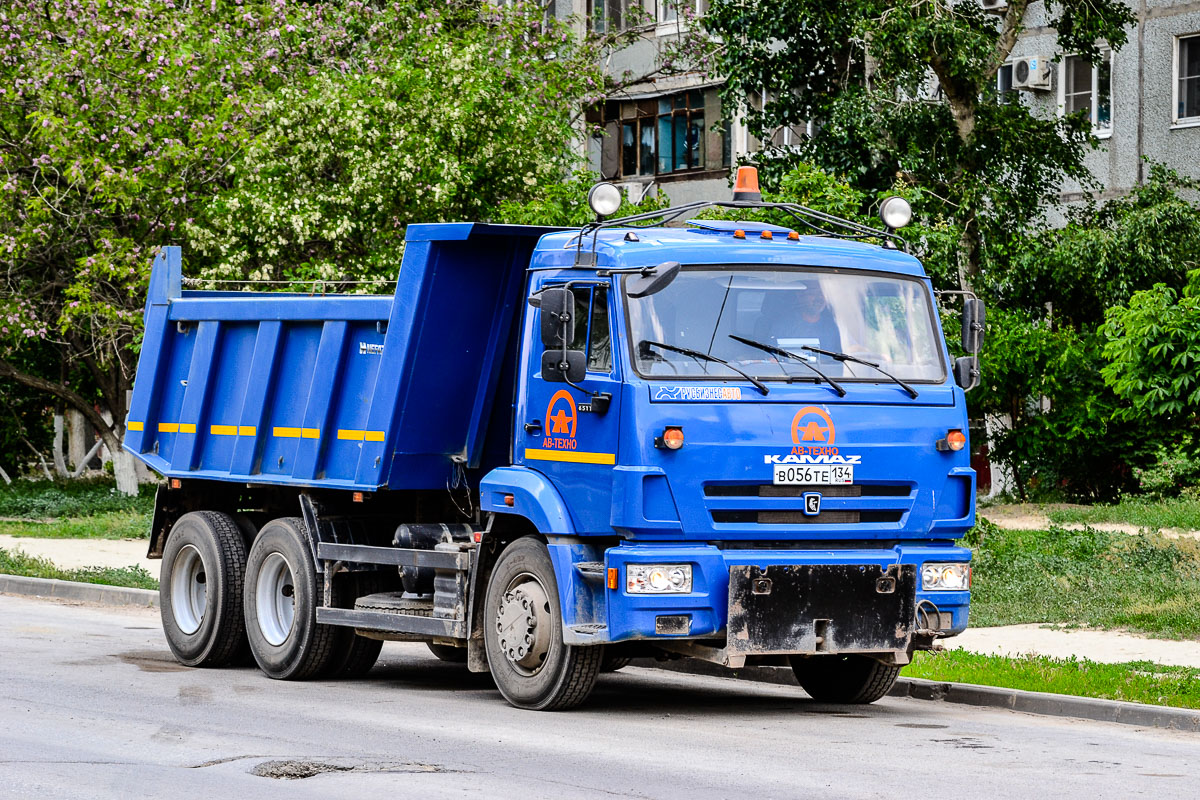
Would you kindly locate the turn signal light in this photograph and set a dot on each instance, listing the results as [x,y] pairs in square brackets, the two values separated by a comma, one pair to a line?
[955,440]
[671,439]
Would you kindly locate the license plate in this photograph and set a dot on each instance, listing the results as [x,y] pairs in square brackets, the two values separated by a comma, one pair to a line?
[810,475]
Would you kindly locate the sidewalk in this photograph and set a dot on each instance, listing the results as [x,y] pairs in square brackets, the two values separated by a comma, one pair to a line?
[77,553]
[1010,640]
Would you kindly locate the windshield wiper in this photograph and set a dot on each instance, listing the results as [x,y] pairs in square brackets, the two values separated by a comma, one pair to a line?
[779,351]
[687,351]
[846,357]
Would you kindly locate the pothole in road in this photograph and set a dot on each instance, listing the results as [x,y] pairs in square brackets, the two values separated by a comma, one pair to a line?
[297,769]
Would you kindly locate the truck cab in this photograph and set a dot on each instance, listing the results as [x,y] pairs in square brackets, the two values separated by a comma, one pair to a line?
[725,440]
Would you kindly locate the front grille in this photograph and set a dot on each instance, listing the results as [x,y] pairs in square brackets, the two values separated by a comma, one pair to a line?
[767,504]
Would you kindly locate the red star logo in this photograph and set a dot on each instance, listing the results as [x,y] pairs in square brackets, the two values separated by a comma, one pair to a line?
[562,422]
[813,432]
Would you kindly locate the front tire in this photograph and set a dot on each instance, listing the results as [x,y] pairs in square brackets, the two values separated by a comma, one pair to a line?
[522,621]
[281,604]
[200,589]
[849,679]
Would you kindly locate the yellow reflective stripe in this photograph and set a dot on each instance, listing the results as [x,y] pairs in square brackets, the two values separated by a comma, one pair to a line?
[245,430]
[359,436]
[168,427]
[133,426]
[573,456]
[223,430]
[297,433]
[187,427]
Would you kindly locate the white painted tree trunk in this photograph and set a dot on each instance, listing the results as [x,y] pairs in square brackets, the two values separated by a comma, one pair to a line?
[125,469]
[60,465]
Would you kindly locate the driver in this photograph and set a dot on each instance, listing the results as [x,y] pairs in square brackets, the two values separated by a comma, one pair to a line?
[798,316]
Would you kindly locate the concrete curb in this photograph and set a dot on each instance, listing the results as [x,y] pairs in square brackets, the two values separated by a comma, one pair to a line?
[80,592]
[1043,703]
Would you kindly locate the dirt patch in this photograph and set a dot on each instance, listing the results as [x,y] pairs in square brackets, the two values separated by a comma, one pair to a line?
[298,769]
[1025,517]
[152,661]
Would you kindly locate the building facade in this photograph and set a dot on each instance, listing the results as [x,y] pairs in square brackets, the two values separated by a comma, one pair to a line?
[1143,100]
[665,132]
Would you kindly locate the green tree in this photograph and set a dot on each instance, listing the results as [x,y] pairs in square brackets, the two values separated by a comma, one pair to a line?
[905,90]
[268,138]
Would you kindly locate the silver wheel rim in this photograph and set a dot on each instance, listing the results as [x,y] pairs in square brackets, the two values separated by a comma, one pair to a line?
[189,589]
[523,624]
[274,599]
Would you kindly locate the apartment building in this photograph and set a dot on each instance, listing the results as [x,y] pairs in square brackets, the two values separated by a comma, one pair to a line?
[665,132]
[1143,100]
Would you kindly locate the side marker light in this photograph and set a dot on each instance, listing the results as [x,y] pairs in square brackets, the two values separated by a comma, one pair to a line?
[612,577]
[955,440]
[509,500]
[671,438]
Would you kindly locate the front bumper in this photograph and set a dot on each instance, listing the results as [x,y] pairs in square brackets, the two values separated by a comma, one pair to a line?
[837,587]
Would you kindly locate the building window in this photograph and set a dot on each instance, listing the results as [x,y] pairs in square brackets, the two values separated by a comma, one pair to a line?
[1088,89]
[663,135]
[1187,84]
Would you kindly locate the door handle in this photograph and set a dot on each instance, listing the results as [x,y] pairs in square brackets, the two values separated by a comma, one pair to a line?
[534,426]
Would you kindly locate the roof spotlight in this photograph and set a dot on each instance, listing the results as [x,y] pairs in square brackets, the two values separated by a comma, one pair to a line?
[604,199]
[895,212]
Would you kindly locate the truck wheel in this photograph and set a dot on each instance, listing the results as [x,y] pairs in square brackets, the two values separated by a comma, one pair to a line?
[448,653]
[522,632]
[614,663]
[354,655]
[281,604]
[200,589]
[844,679]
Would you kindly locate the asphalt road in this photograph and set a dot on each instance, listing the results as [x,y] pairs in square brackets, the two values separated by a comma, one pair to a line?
[92,705]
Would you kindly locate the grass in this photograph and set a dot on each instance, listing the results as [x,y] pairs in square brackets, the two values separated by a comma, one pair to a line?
[1145,583]
[79,498]
[1177,512]
[1137,681]
[17,563]
[108,525]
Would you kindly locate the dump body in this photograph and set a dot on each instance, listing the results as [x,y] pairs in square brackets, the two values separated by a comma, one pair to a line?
[335,391]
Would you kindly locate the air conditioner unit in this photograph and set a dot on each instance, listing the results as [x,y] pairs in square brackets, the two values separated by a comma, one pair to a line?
[995,6]
[1031,73]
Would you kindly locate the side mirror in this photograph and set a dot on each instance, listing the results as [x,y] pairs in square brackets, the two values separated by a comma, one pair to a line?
[966,372]
[655,282]
[558,317]
[563,366]
[973,325]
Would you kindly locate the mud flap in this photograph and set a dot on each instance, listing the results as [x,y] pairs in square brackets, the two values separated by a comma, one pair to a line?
[822,608]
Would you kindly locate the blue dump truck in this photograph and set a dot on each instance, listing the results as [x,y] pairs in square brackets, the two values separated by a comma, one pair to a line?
[554,450]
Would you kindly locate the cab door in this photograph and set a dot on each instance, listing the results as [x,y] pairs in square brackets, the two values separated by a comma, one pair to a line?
[570,434]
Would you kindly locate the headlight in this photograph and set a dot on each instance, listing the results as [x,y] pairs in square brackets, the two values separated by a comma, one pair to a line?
[658,578]
[946,577]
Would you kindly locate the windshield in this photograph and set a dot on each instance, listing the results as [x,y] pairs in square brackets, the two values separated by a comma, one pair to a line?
[880,318]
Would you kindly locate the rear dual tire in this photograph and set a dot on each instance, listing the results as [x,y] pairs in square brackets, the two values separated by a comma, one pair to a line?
[280,603]
[200,589]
